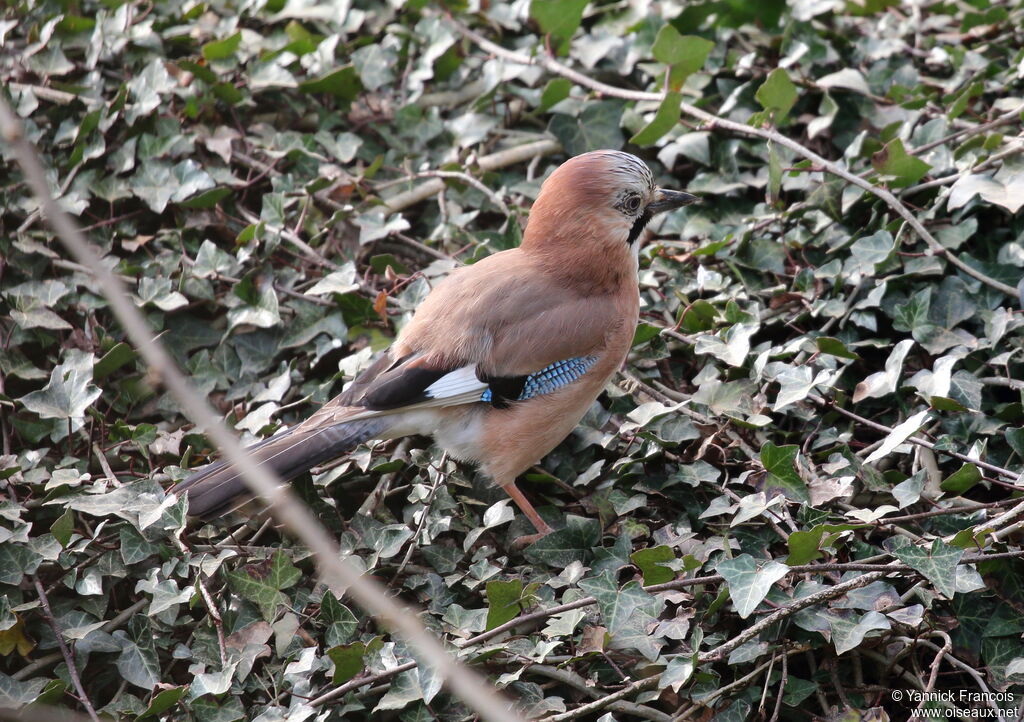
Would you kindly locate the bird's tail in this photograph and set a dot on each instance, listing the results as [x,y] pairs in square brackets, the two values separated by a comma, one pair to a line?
[217,488]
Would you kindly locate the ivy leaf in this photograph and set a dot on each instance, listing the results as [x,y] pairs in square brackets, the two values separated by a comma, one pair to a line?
[262,582]
[597,127]
[138,662]
[780,463]
[504,601]
[556,90]
[348,660]
[558,18]
[222,49]
[937,564]
[961,480]
[63,526]
[1008,194]
[901,168]
[688,51]
[684,54]
[898,435]
[15,693]
[884,382]
[69,392]
[664,120]
[652,561]
[564,546]
[749,580]
[627,613]
[806,546]
[849,629]
[835,347]
[777,94]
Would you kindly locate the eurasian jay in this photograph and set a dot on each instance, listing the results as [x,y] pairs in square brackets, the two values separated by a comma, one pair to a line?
[504,357]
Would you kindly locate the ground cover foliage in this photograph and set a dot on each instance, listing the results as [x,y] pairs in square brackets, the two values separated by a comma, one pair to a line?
[800,494]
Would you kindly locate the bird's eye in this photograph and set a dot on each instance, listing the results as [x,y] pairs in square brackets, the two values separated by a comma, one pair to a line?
[632,204]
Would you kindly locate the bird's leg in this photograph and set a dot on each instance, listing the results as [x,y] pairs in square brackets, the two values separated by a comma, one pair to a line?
[523,503]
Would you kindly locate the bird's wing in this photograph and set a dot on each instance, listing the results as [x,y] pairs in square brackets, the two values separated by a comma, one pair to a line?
[391,385]
[509,319]
[487,328]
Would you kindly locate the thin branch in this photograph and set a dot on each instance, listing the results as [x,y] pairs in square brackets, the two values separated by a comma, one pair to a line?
[947,647]
[69,657]
[1006,473]
[789,610]
[956,663]
[494,161]
[335,571]
[571,679]
[218,623]
[467,178]
[714,121]
[741,682]
[782,688]
[604,702]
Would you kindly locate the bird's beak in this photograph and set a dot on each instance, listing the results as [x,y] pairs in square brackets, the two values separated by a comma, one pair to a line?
[670,200]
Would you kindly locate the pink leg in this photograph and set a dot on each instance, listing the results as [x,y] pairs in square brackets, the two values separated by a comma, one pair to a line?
[524,504]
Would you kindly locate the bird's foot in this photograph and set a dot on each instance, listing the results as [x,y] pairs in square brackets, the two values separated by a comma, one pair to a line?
[521,542]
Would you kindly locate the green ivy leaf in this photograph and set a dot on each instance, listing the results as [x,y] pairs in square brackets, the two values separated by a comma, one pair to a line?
[849,628]
[834,347]
[262,582]
[749,580]
[651,563]
[341,82]
[937,564]
[627,613]
[69,392]
[558,18]
[664,120]
[138,662]
[901,168]
[62,527]
[597,127]
[504,601]
[777,94]
[961,480]
[554,93]
[348,659]
[806,546]
[222,49]
[780,463]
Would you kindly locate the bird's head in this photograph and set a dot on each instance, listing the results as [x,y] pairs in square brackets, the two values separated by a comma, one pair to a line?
[603,199]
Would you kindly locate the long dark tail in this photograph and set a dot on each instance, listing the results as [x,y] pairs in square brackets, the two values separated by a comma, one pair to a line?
[218,487]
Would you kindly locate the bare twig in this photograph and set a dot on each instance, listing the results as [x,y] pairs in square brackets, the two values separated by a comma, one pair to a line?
[467,178]
[934,674]
[738,683]
[1006,473]
[754,630]
[69,657]
[975,675]
[782,688]
[218,623]
[494,161]
[571,679]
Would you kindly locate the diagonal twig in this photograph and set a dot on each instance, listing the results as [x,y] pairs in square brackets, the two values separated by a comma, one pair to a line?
[69,657]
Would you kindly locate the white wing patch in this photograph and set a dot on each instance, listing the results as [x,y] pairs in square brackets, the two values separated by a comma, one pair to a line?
[459,382]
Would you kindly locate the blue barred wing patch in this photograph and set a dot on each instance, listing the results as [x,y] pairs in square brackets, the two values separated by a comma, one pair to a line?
[550,378]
